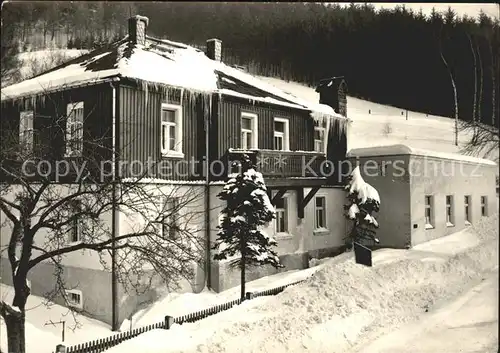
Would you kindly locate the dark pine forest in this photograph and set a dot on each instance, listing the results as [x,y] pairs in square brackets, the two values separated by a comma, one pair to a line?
[390,56]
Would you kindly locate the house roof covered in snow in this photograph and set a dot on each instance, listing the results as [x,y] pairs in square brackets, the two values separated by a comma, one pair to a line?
[160,62]
[400,149]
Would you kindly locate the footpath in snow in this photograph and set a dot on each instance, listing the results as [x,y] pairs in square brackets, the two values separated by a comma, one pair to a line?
[342,306]
[468,324]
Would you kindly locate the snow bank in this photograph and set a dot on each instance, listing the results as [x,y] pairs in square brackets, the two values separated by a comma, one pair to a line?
[342,304]
[178,304]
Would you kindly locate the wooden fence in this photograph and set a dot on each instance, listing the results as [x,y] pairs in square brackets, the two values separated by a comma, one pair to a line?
[100,345]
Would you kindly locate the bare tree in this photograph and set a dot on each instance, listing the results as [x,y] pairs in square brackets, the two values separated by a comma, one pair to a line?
[484,135]
[48,218]
[483,141]
[454,86]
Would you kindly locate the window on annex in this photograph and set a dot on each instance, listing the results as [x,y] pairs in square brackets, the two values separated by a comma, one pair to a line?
[484,206]
[429,212]
[449,211]
[467,209]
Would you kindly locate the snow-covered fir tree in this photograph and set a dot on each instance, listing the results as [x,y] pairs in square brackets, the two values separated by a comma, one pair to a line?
[363,201]
[247,209]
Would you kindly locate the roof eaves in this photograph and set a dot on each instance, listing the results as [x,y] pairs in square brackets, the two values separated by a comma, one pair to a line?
[92,82]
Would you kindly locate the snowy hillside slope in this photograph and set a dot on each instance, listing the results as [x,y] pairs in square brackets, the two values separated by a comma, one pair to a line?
[376,124]
[36,62]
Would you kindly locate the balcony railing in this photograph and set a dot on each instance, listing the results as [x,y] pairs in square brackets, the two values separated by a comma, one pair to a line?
[284,164]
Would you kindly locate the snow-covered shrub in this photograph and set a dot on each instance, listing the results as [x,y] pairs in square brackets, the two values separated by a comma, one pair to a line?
[363,201]
[247,209]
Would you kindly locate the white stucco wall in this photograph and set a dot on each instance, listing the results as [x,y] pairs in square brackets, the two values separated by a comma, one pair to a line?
[83,258]
[440,177]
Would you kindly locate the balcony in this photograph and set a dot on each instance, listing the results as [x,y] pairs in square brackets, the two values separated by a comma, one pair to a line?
[284,164]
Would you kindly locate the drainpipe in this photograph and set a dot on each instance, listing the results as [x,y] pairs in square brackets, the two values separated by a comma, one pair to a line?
[207,193]
[114,215]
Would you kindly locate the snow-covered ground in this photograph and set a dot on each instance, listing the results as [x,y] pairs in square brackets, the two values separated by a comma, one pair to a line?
[176,304]
[342,306]
[469,322]
[41,336]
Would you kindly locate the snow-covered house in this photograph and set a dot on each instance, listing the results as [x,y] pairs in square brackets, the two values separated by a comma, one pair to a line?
[426,194]
[152,99]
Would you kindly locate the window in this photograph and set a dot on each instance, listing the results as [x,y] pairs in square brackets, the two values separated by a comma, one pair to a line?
[281,134]
[320,212]
[484,206]
[74,298]
[449,211]
[169,226]
[75,234]
[74,130]
[281,221]
[26,131]
[171,130]
[319,139]
[428,212]
[467,210]
[249,131]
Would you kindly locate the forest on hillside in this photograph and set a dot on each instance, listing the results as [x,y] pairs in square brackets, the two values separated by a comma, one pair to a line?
[396,57]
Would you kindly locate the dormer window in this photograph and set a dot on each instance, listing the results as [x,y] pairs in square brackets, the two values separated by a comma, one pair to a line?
[171,131]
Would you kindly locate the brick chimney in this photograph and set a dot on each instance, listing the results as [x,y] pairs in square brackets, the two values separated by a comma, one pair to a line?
[137,28]
[214,49]
[333,92]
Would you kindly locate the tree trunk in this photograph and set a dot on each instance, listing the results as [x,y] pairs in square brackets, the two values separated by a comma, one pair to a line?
[15,332]
[242,268]
[480,82]
[243,279]
[494,87]
[454,94]
[474,103]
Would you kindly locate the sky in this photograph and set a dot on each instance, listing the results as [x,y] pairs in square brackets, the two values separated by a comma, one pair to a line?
[471,9]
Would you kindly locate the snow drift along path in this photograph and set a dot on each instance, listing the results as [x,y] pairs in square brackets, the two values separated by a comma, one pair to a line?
[343,305]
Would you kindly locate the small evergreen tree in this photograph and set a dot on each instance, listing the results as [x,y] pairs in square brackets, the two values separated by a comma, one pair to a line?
[247,209]
[77,43]
[363,201]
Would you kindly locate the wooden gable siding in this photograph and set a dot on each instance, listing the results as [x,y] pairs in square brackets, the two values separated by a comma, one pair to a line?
[301,126]
[140,132]
[49,123]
